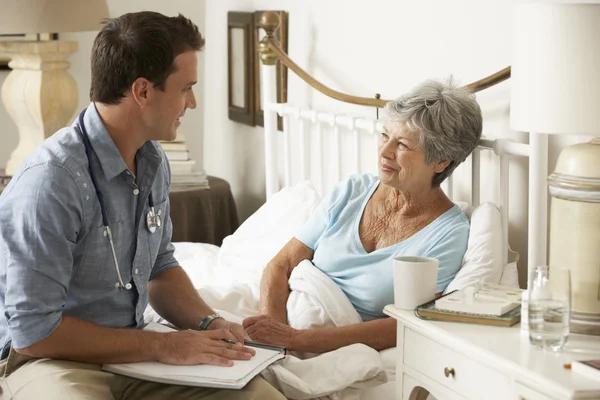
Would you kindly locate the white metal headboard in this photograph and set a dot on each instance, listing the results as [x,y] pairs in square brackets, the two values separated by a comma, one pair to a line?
[313,126]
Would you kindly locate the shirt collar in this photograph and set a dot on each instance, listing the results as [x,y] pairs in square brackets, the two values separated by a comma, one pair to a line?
[110,159]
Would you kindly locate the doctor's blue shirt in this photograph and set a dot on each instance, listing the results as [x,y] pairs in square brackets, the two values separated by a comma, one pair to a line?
[367,278]
[54,257]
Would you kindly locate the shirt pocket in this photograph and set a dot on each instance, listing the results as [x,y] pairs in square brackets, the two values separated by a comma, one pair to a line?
[155,239]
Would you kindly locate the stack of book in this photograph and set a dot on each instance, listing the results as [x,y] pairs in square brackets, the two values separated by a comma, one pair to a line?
[182,167]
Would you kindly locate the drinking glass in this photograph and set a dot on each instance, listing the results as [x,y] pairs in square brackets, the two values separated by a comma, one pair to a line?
[550,307]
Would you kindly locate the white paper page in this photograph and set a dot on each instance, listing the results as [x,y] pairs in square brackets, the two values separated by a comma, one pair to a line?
[239,370]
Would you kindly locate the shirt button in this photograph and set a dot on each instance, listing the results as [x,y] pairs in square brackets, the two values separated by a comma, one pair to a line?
[136,271]
[136,192]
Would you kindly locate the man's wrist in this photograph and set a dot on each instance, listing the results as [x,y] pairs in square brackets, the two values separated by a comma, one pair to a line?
[208,321]
[218,323]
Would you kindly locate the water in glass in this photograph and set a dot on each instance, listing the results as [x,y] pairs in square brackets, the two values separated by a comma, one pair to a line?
[549,323]
[549,308]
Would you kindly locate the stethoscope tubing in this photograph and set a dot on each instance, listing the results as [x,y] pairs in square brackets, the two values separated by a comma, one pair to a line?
[107,232]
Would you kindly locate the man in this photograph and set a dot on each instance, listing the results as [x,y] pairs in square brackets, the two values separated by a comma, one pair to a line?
[85,235]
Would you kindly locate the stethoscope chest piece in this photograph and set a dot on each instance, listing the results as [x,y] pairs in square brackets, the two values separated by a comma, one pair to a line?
[153,220]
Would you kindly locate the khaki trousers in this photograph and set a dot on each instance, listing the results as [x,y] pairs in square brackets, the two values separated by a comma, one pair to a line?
[26,378]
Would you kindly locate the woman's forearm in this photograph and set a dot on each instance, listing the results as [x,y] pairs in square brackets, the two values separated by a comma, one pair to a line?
[379,334]
[274,293]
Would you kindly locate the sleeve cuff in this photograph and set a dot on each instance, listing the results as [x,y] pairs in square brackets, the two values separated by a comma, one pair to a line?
[27,331]
[162,265]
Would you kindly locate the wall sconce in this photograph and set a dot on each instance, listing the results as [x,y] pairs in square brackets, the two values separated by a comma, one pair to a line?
[243,65]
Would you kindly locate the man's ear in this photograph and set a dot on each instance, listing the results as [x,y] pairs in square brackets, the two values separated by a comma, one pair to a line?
[441,166]
[140,90]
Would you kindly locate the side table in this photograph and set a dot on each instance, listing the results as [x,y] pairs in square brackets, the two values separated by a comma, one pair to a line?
[203,215]
[466,361]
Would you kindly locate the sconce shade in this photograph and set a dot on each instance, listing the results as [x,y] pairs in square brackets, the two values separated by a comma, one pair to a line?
[51,16]
[556,68]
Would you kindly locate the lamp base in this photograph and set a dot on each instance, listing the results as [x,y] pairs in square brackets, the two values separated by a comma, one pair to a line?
[575,230]
[39,93]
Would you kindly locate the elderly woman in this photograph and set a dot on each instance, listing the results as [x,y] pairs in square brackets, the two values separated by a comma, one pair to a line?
[367,220]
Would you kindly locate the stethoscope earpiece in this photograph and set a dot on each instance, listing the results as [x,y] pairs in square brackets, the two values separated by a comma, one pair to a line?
[153,220]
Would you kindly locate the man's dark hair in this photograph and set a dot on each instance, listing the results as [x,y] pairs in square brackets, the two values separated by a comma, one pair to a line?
[138,45]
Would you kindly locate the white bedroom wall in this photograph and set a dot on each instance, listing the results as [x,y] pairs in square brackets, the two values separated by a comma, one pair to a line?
[80,70]
[363,48]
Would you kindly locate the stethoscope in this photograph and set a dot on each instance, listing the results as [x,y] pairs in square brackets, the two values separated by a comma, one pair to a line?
[153,220]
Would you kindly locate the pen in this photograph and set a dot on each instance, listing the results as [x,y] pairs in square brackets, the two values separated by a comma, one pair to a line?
[229,341]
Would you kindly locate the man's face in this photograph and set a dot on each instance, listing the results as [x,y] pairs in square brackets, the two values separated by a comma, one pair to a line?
[168,106]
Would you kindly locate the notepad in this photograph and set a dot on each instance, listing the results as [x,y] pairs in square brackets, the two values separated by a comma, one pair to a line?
[234,377]
[488,300]
[431,312]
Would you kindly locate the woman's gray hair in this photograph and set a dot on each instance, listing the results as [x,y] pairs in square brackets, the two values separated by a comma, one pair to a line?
[447,119]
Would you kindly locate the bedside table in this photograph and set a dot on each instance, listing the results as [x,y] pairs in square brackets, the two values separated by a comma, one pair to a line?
[203,215]
[468,361]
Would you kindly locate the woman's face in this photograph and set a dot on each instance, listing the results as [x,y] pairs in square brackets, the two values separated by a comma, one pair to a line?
[402,161]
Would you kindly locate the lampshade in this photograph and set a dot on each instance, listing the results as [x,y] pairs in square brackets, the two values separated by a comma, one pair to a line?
[556,68]
[50,16]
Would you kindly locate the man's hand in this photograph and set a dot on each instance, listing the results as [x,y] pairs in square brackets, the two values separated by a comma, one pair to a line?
[265,329]
[191,347]
[236,329]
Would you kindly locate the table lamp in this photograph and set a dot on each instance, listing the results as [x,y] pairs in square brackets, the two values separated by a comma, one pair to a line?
[556,90]
[39,93]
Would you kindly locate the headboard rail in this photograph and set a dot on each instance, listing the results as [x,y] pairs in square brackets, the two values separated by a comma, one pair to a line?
[271,52]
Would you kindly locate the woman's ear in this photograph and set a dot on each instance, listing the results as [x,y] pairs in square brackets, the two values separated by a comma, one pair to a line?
[441,166]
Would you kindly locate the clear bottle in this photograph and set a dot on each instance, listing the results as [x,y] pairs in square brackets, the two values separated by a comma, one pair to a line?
[549,308]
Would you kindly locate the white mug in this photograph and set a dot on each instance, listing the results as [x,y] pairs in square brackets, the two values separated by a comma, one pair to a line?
[415,279]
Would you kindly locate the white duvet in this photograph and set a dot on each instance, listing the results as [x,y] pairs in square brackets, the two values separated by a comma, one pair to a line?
[314,302]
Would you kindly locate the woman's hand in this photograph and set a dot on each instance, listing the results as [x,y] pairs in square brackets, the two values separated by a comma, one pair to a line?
[236,329]
[265,329]
[191,347]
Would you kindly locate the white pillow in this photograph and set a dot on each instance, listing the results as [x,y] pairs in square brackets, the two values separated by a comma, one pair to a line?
[266,231]
[510,274]
[483,258]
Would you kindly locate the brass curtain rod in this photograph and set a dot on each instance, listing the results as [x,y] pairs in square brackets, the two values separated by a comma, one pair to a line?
[270,52]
